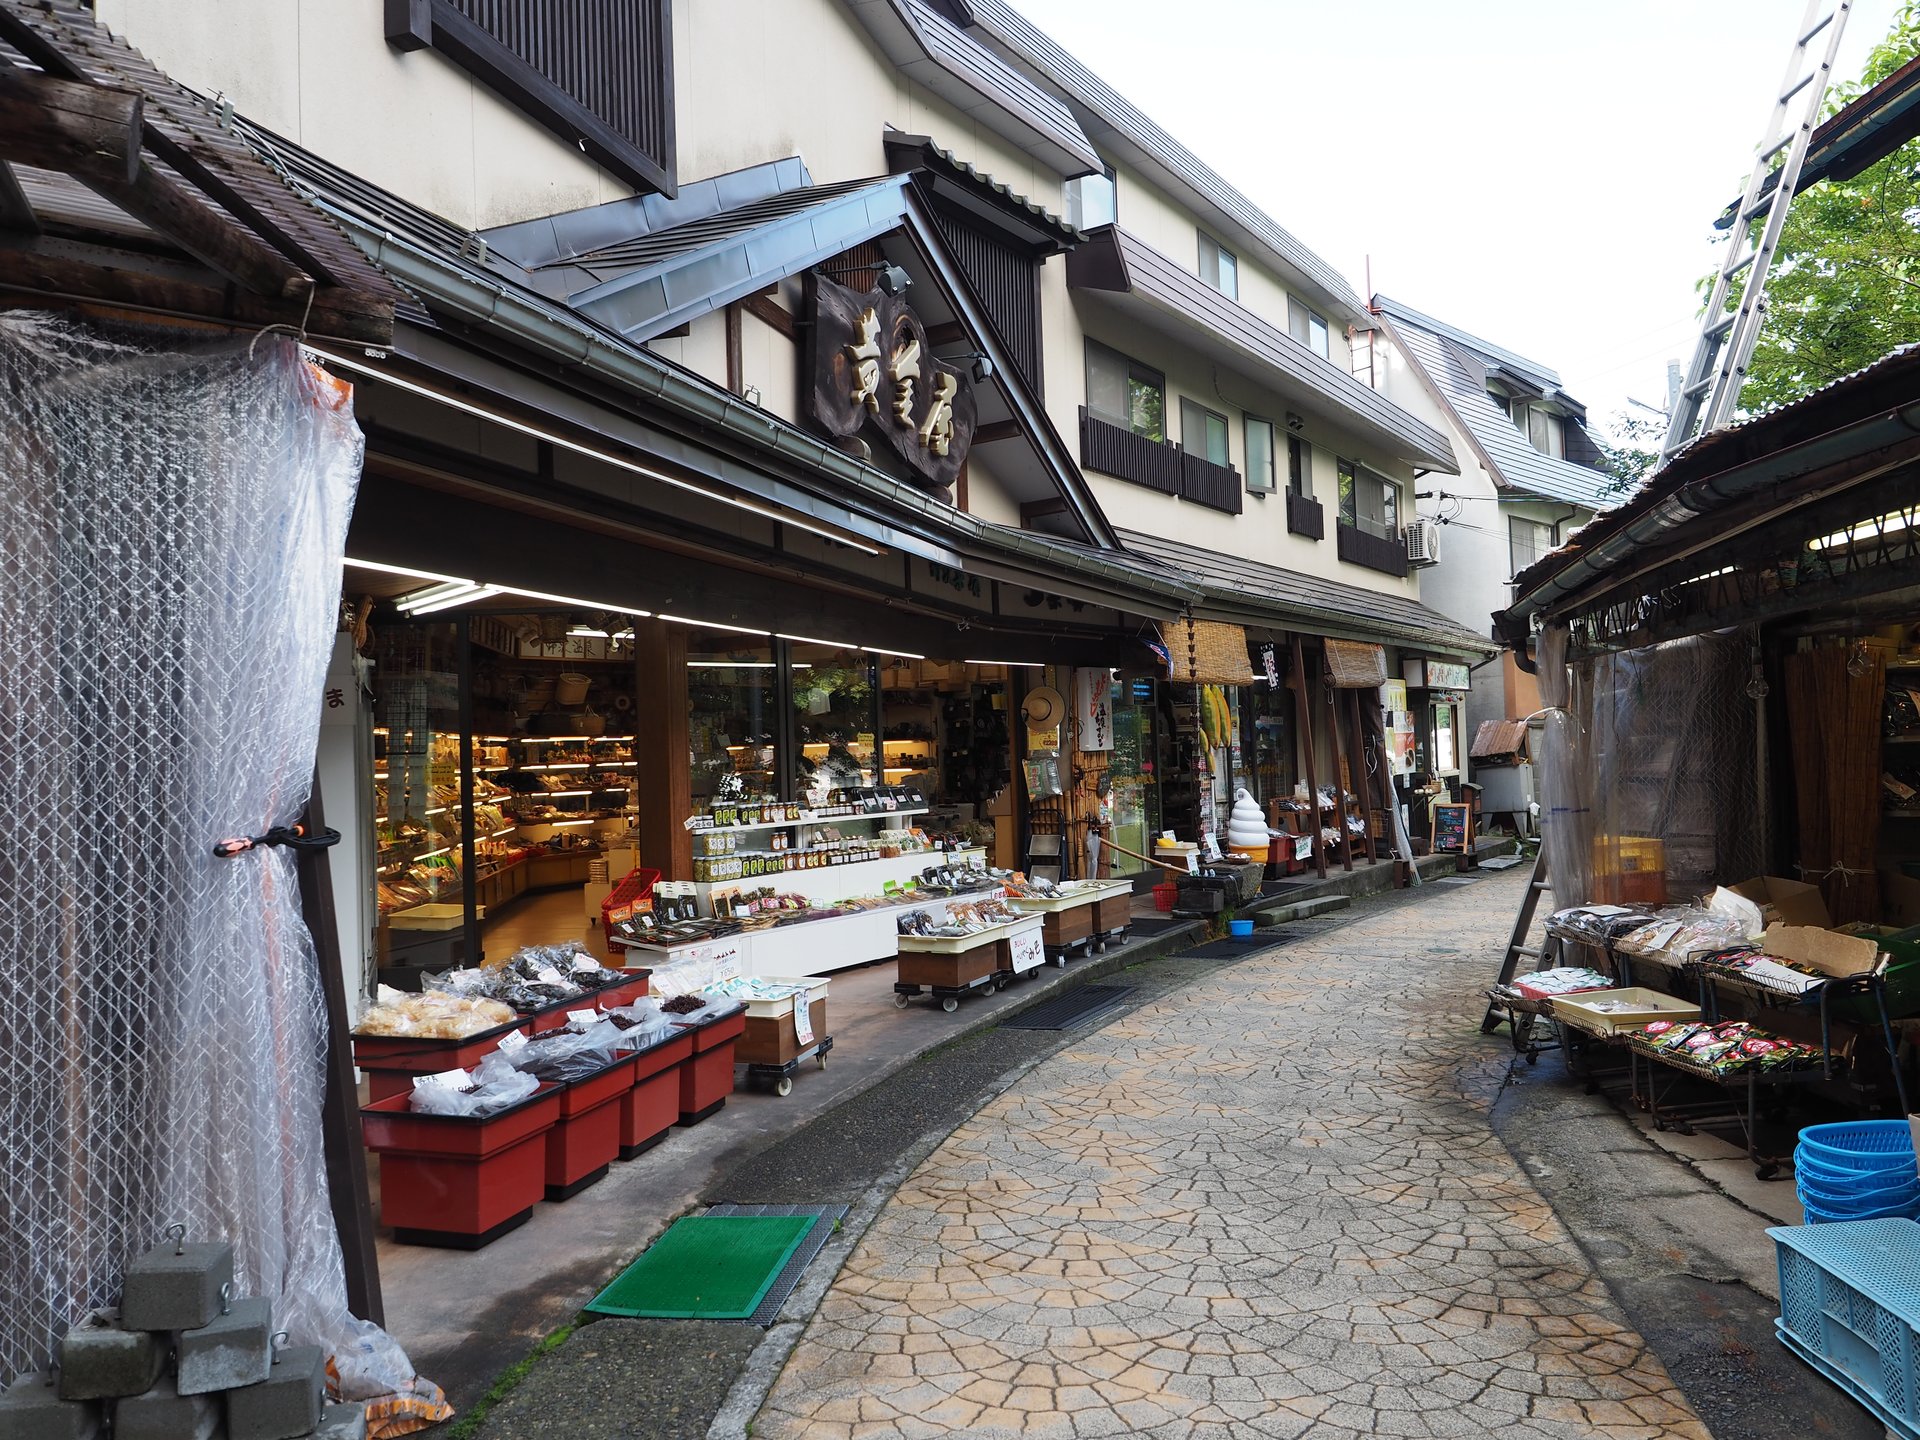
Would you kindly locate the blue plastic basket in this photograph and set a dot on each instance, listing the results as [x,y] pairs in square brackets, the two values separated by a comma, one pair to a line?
[1848,1196]
[1818,1215]
[1861,1144]
[1240,929]
[1850,1304]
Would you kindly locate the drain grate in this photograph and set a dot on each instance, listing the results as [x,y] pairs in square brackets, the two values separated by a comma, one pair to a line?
[825,1218]
[1076,1007]
[1235,949]
[1452,882]
[1153,925]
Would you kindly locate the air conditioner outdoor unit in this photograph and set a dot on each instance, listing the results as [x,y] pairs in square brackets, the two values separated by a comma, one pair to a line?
[1423,542]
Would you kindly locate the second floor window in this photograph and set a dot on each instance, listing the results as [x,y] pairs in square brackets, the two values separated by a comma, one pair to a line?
[1260,476]
[1126,393]
[1308,327]
[1090,201]
[1218,267]
[1541,427]
[1299,467]
[1369,502]
[1527,541]
[1203,433]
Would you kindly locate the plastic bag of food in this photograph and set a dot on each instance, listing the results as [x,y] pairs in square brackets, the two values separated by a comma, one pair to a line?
[431,1015]
[568,1055]
[490,1086]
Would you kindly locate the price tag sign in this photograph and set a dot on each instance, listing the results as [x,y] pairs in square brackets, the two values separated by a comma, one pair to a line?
[803,1019]
[582,1017]
[445,1080]
[1029,950]
[547,975]
[512,1040]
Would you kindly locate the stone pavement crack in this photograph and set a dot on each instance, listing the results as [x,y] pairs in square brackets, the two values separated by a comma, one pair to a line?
[1267,1205]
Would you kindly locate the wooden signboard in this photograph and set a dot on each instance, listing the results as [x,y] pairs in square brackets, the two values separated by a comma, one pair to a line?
[1452,827]
[873,369]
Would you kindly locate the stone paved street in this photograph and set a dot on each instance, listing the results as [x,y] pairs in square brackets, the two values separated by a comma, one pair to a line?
[1267,1205]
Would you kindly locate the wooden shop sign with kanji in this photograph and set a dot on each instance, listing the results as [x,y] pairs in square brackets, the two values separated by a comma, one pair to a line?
[874,370]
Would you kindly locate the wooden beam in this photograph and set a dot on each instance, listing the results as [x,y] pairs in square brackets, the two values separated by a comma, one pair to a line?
[91,132]
[771,312]
[663,781]
[44,267]
[1035,509]
[16,212]
[1304,705]
[736,361]
[94,133]
[998,430]
[947,332]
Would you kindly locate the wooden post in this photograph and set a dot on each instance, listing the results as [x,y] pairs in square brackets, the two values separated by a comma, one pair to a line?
[661,777]
[1304,704]
[346,1159]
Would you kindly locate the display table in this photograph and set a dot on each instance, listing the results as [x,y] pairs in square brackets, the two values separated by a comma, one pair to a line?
[649,1109]
[582,1147]
[952,966]
[706,1078]
[1066,923]
[830,883]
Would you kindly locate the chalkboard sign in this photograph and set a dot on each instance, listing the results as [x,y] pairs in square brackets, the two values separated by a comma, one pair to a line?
[1452,826]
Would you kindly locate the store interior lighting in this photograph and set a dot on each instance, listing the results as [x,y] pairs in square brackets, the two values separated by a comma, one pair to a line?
[1015,664]
[605,457]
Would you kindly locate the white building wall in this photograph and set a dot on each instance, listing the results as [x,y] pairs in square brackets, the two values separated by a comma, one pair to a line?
[321,73]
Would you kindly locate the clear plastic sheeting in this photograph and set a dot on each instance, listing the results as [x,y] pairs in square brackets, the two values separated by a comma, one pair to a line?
[172,522]
[1650,777]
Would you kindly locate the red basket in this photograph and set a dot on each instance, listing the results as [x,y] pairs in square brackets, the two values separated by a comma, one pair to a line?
[633,893]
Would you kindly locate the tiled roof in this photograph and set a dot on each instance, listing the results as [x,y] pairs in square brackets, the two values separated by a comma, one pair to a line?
[1307,602]
[1517,466]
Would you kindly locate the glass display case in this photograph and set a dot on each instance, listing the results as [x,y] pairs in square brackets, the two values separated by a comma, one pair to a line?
[836,717]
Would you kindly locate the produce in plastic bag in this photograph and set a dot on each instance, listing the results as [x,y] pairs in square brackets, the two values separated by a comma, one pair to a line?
[567,1055]
[491,1086]
[1683,931]
[431,1015]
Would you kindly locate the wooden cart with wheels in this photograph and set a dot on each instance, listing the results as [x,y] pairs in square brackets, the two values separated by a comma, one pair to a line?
[779,1077]
[950,966]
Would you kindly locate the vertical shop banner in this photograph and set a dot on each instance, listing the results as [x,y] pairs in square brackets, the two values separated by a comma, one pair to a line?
[1093,699]
[1269,665]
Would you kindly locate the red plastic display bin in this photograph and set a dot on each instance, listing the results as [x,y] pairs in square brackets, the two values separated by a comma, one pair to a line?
[706,1080]
[648,1111]
[582,1147]
[457,1181]
[393,1062]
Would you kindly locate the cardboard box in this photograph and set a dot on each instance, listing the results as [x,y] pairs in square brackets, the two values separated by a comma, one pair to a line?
[1785,902]
[1828,951]
[1899,898]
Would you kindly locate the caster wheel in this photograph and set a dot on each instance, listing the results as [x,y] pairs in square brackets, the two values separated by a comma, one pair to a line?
[821,1061]
[1765,1172]
[900,1002]
[1532,1058]
[783,1086]
[1660,1125]
[949,1004]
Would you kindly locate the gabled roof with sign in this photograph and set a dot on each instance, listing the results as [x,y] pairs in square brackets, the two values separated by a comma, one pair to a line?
[475,289]
[1457,366]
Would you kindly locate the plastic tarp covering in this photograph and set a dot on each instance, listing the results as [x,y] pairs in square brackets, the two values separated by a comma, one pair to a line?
[172,522]
[1658,744]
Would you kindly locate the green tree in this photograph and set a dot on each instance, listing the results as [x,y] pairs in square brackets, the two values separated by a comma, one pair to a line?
[1629,451]
[1845,285]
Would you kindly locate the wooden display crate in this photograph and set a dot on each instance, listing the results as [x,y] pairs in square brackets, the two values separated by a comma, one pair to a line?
[774,1039]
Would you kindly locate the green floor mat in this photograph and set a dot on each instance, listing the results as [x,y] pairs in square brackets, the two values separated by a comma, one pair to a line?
[706,1267]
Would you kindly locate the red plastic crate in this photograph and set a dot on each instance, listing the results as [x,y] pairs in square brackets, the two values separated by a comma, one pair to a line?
[631,892]
[587,1139]
[457,1181]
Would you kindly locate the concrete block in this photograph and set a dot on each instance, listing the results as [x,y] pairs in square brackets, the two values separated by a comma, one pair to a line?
[285,1404]
[175,1286]
[342,1422]
[32,1409]
[101,1360]
[229,1351]
[163,1413]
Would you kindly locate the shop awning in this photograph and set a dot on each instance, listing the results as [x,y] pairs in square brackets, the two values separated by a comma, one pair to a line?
[1499,737]
[1206,652]
[1249,593]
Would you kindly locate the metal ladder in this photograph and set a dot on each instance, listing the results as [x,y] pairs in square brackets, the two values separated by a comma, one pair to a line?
[1714,380]
[1517,947]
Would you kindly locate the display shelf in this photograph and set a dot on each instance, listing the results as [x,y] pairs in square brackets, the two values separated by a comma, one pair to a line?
[808,817]
[826,884]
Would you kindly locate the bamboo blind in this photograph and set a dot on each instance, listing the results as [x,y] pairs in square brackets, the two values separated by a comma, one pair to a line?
[1834,718]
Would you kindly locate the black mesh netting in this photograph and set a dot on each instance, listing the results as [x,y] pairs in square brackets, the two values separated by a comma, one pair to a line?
[172,523]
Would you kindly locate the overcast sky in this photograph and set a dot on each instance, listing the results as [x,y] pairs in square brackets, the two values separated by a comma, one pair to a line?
[1543,175]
